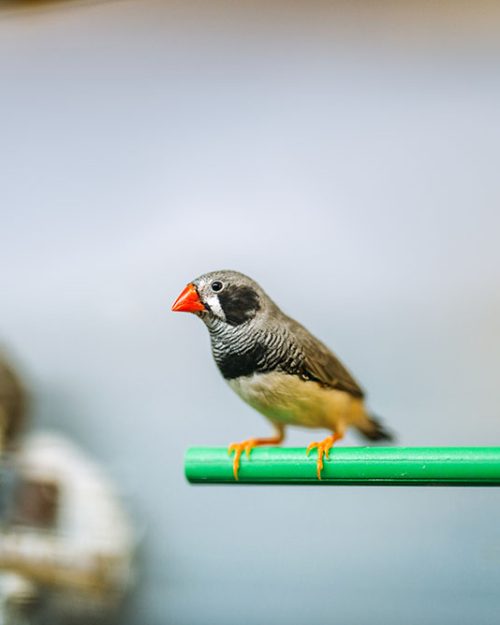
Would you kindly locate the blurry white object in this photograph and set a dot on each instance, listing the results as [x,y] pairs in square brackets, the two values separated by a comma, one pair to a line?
[19,599]
[66,530]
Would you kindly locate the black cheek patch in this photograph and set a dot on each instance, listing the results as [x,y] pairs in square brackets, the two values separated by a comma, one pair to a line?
[239,303]
[237,365]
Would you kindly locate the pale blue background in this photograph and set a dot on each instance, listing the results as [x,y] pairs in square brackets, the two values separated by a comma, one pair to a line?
[348,159]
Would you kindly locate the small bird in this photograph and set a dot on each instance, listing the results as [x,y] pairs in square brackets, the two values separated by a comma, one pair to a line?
[276,365]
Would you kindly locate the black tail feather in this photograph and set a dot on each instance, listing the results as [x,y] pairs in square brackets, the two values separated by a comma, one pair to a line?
[375,430]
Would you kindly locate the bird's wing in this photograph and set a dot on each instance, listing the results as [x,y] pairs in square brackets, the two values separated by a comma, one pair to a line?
[321,364]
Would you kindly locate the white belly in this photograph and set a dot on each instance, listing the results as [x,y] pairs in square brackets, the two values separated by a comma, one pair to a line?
[288,399]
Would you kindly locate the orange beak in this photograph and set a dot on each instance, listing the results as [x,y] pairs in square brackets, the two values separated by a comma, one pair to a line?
[188,301]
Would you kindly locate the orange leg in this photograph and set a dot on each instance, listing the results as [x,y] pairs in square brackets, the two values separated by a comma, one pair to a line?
[323,448]
[248,445]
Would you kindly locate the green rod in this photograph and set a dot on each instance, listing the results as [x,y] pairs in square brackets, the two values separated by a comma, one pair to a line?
[374,466]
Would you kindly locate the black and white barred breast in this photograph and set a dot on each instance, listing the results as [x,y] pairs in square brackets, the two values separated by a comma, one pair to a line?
[241,354]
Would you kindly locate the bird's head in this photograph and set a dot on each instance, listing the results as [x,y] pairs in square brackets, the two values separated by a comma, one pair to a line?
[225,296]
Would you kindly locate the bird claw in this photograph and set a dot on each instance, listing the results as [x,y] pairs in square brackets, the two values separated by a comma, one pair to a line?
[238,449]
[323,448]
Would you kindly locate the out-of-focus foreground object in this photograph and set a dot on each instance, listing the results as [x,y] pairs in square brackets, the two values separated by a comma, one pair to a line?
[38,5]
[13,404]
[369,466]
[66,544]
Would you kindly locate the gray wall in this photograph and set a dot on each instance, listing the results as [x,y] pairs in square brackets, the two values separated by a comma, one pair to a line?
[348,159]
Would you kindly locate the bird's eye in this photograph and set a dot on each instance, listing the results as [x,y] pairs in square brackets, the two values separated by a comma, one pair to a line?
[217,286]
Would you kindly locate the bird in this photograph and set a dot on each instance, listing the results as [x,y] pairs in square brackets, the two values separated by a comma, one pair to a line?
[276,365]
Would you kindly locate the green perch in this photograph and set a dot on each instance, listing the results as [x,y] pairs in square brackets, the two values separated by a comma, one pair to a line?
[367,466]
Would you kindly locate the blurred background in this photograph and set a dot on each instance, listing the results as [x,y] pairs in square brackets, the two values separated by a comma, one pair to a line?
[343,154]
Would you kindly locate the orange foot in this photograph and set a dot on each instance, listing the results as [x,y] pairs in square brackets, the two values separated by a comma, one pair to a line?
[247,446]
[323,448]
